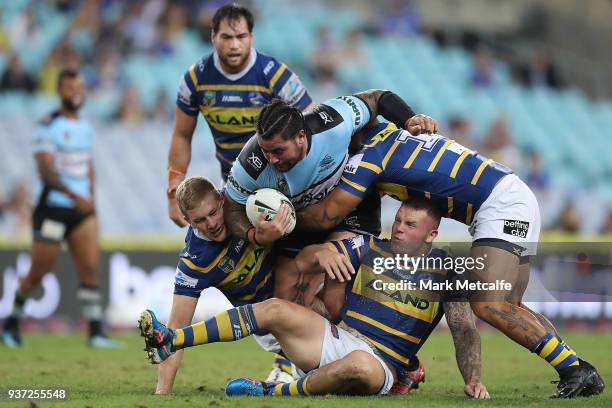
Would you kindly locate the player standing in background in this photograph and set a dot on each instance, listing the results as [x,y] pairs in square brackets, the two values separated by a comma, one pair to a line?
[65,210]
[229,87]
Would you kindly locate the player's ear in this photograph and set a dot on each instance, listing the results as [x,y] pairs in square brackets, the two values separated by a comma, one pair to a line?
[301,136]
[431,236]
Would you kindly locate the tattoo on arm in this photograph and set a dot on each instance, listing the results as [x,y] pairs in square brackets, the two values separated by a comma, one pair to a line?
[466,338]
[371,98]
[320,220]
[235,217]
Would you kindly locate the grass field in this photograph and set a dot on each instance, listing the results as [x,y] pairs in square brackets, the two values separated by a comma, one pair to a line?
[123,378]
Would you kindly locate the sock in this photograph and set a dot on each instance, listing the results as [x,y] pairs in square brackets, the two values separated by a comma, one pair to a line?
[12,321]
[233,324]
[556,352]
[283,363]
[91,308]
[296,387]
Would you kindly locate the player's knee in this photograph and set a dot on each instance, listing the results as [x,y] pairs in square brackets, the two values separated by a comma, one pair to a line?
[278,309]
[358,367]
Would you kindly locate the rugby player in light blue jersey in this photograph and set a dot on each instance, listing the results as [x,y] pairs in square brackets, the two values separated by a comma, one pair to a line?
[303,157]
[229,88]
[65,210]
[503,218]
[242,271]
[381,330]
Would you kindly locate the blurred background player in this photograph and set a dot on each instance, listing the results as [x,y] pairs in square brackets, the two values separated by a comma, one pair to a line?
[242,271]
[379,334]
[230,87]
[65,210]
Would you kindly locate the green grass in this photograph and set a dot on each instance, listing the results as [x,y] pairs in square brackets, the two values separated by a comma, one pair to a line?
[123,378]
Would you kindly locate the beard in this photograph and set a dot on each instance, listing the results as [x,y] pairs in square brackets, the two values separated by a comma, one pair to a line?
[73,104]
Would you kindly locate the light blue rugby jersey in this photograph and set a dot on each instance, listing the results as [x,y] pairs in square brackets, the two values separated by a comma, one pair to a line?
[329,128]
[70,141]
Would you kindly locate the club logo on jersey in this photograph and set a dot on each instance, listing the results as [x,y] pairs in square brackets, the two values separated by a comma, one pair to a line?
[209,97]
[256,98]
[66,137]
[255,161]
[326,163]
[227,264]
[516,228]
[181,279]
[353,164]
[325,117]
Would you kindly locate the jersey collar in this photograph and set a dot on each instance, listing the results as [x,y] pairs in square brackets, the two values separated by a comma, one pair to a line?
[237,76]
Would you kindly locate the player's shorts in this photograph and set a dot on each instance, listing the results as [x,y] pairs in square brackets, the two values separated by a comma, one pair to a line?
[338,343]
[55,223]
[509,218]
[363,220]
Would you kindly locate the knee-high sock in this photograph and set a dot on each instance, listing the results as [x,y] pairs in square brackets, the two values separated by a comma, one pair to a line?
[233,324]
[90,299]
[556,352]
[296,387]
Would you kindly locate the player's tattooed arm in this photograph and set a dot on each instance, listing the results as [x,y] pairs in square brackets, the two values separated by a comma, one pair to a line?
[396,110]
[235,218]
[466,338]
[329,212]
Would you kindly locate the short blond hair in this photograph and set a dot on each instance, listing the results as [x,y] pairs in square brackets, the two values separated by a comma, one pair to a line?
[191,192]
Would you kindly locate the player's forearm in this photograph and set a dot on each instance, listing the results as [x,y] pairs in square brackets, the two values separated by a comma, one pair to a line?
[179,155]
[235,218]
[167,373]
[307,262]
[318,217]
[52,180]
[466,338]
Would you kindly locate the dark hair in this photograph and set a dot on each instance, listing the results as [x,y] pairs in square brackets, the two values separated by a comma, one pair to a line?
[422,203]
[232,12]
[66,73]
[279,117]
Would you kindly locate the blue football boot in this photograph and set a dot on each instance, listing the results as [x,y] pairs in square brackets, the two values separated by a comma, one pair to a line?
[158,338]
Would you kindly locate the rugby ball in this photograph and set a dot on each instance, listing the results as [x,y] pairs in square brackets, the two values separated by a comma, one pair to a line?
[271,200]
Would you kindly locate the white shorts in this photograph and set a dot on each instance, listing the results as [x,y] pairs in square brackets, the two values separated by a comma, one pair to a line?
[268,342]
[338,343]
[511,213]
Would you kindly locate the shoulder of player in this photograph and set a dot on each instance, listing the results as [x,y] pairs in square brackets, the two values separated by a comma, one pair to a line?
[322,118]
[198,70]
[268,65]
[49,119]
[252,159]
[200,253]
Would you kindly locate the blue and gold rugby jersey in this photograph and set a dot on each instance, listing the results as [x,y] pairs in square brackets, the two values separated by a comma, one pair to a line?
[396,322]
[241,271]
[456,178]
[231,103]
[71,142]
[329,128]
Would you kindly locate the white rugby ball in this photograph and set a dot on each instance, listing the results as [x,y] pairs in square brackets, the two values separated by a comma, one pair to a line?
[271,200]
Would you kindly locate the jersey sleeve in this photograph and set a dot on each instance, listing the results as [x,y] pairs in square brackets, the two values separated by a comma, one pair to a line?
[195,269]
[43,140]
[240,185]
[185,98]
[361,172]
[287,86]
[351,248]
[354,112]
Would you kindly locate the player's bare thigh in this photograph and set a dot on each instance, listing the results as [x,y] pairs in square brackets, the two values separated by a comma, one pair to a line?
[85,249]
[299,330]
[499,265]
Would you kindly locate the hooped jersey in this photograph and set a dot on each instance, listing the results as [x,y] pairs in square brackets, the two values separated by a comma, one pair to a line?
[401,165]
[240,270]
[231,103]
[70,141]
[396,321]
[329,128]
